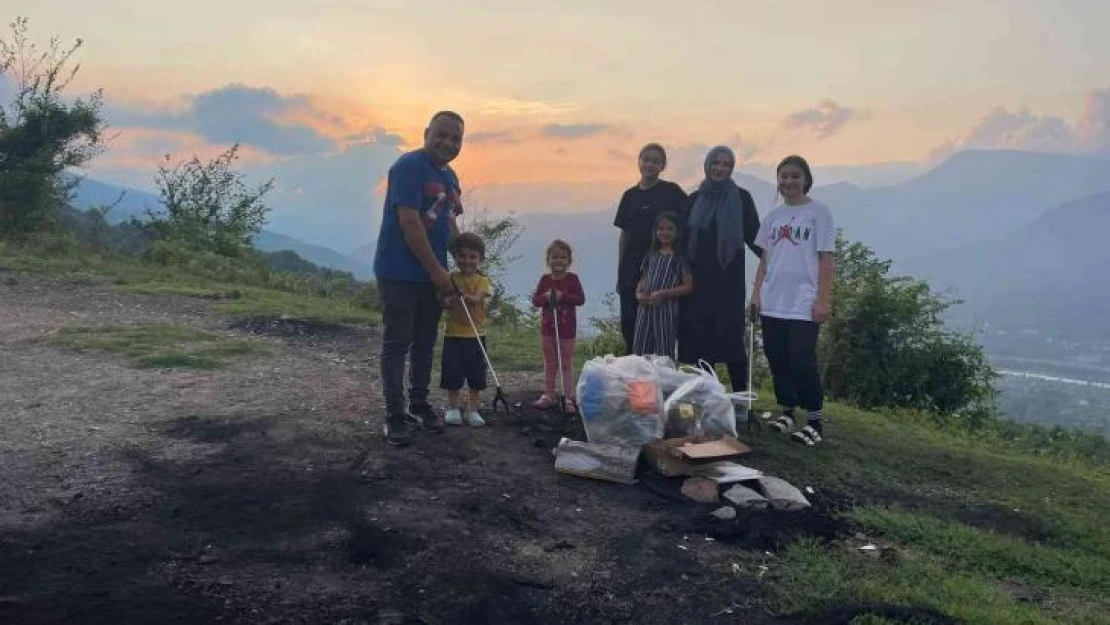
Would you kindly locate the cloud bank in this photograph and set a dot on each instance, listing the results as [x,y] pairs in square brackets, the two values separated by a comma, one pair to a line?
[1022,130]
[823,120]
[326,184]
[238,113]
[573,131]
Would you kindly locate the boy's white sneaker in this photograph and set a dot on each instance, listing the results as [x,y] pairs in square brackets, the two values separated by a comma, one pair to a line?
[475,419]
[453,417]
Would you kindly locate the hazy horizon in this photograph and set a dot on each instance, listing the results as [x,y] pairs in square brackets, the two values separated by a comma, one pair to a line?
[560,96]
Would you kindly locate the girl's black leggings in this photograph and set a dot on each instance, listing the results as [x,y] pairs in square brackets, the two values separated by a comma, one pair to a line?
[791,349]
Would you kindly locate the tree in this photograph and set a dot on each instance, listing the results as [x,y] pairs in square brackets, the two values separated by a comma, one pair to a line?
[500,234]
[208,205]
[41,134]
[886,344]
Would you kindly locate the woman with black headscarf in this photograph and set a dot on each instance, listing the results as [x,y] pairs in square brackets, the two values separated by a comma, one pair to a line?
[722,220]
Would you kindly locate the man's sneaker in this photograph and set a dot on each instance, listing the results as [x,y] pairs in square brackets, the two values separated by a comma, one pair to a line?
[397,431]
[453,417]
[427,417]
[475,419]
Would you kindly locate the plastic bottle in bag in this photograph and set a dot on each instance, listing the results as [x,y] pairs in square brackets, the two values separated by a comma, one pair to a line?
[620,400]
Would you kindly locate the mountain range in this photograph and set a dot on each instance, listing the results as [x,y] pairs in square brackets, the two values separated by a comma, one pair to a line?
[130,203]
[1047,275]
[968,212]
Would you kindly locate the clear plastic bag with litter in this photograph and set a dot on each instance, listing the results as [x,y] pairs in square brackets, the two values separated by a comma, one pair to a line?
[621,400]
[672,376]
[699,407]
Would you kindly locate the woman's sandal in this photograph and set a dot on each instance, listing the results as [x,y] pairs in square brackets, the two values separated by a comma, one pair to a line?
[572,407]
[807,436]
[544,402]
[783,424]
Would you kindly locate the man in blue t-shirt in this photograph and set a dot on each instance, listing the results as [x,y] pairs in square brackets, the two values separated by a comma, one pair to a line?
[418,223]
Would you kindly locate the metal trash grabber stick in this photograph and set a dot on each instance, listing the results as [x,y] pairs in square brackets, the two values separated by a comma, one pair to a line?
[749,395]
[562,398]
[498,396]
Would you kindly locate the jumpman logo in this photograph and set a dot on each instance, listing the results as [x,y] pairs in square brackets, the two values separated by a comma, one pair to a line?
[787,233]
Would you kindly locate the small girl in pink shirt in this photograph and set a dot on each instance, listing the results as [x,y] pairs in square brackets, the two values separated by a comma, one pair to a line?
[563,288]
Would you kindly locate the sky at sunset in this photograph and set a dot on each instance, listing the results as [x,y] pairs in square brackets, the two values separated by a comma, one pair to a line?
[559,95]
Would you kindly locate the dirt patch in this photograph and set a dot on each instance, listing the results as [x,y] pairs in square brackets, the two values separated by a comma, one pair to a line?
[296,328]
[979,514]
[264,493]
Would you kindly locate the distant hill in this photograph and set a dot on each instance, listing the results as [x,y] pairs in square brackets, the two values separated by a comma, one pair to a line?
[972,198]
[91,193]
[269,241]
[94,193]
[364,255]
[1050,274]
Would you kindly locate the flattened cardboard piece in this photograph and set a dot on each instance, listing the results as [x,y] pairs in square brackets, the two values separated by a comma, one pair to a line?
[727,472]
[665,455]
[723,448]
[600,461]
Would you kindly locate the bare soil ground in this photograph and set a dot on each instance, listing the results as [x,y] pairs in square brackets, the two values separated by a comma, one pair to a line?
[264,493]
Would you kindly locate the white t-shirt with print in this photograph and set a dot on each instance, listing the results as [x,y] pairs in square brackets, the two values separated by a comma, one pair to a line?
[794,235]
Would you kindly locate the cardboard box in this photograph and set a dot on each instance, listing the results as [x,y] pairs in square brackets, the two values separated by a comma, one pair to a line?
[683,456]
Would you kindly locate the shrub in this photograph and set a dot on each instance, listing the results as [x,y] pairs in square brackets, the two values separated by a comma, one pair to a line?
[886,344]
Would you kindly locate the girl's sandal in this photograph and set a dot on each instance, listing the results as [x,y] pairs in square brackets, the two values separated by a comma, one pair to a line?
[572,407]
[544,402]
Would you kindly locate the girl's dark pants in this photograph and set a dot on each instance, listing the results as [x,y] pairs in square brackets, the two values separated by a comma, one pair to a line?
[791,349]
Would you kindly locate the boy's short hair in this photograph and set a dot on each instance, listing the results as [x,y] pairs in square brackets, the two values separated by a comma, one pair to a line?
[469,241]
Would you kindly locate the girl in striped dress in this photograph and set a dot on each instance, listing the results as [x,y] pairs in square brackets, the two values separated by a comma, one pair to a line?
[666,277]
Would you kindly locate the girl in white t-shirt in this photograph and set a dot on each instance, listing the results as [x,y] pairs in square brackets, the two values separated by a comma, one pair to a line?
[791,295]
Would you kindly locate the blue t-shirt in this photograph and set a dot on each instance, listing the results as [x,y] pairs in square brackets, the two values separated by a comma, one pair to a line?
[416,182]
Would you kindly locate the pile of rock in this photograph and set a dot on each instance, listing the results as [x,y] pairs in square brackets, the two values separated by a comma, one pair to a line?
[757,493]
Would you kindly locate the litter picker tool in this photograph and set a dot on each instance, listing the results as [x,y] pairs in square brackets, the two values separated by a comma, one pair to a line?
[561,398]
[499,396]
[749,395]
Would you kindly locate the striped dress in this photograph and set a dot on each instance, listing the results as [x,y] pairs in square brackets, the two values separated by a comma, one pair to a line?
[657,326]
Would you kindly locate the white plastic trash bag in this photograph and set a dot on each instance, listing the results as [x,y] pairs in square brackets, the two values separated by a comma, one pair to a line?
[671,376]
[699,407]
[620,400]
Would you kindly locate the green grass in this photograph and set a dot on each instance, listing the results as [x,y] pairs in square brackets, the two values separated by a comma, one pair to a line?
[809,579]
[160,346]
[268,302]
[515,349]
[78,266]
[991,553]
[247,301]
[981,521]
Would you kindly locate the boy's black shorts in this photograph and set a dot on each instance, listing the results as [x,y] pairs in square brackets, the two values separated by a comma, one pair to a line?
[462,362]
